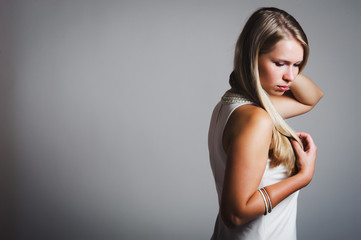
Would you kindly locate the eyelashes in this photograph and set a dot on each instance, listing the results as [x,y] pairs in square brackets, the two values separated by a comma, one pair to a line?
[279,64]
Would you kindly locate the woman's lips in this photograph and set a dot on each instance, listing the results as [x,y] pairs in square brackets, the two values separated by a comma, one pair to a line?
[282,87]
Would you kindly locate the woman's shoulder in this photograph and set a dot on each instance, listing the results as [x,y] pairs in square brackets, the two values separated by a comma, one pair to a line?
[248,121]
[244,113]
[251,115]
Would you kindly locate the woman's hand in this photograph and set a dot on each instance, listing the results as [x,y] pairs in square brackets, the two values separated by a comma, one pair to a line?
[305,159]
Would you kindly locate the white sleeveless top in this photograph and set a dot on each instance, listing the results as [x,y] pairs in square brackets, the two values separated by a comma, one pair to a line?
[280,224]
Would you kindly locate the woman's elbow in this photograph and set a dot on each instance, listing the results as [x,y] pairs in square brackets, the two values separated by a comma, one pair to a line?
[320,95]
[315,100]
[232,219]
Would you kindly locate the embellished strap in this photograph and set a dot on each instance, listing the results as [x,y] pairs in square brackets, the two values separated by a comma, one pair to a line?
[231,97]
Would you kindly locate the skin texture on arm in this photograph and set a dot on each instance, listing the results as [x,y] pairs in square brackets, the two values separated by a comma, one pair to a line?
[303,95]
[246,140]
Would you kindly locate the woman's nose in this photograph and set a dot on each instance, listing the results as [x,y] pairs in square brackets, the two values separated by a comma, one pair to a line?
[290,74]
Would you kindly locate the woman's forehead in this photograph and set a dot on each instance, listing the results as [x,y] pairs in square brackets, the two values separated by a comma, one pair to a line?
[288,50]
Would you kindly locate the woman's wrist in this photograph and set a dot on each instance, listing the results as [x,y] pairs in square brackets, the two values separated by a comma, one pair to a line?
[304,177]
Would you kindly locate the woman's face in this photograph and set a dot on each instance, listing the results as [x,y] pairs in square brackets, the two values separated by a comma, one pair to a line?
[278,68]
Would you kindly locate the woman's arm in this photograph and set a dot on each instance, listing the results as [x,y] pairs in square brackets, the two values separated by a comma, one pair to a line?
[247,138]
[303,95]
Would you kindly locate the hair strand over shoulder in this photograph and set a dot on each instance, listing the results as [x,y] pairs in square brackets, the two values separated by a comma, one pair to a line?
[261,32]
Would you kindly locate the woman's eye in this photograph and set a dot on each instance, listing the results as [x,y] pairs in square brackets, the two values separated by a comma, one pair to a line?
[278,64]
[297,65]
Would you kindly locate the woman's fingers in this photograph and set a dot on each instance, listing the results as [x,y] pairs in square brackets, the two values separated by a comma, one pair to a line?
[305,158]
[307,141]
[296,146]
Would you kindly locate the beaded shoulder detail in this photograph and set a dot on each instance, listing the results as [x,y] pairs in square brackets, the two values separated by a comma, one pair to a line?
[230,97]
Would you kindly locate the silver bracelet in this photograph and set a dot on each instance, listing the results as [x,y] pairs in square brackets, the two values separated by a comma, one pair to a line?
[269,200]
[265,202]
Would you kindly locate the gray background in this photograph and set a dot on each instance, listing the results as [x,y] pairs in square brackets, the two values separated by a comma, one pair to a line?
[105,106]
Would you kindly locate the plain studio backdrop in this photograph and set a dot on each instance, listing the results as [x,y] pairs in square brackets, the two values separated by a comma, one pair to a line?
[105,107]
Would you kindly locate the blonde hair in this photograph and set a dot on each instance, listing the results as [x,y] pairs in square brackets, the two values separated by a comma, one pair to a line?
[262,31]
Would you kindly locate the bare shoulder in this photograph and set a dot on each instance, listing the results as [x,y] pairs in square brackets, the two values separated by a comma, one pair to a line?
[248,121]
[249,116]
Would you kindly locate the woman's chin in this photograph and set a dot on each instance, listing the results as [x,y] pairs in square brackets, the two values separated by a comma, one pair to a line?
[275,93]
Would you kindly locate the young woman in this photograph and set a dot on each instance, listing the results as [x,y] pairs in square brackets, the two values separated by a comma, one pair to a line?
[259,163]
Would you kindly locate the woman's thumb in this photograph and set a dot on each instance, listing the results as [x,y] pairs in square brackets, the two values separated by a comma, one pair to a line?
[296,146]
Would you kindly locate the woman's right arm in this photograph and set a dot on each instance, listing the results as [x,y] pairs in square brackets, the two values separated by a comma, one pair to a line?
[246,139]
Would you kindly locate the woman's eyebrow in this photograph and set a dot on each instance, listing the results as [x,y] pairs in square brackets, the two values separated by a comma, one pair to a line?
[286,61]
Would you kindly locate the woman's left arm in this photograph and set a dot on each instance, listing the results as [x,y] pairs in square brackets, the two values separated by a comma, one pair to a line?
[303,95]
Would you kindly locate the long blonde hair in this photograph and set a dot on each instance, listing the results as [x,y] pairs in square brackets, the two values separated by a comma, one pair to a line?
[262,31]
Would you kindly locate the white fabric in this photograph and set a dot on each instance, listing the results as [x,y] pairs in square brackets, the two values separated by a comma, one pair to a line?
[280,224]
